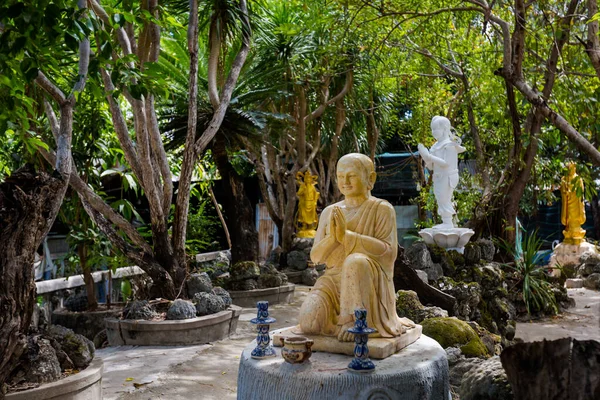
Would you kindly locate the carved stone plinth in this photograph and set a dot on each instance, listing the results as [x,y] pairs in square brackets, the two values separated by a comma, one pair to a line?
[379,348]
[447,238]
[419,371]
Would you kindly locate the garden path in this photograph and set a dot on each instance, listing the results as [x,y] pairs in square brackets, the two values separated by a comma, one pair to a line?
[210,371]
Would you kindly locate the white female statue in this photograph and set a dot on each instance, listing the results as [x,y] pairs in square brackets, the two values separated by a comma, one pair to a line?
[442,159]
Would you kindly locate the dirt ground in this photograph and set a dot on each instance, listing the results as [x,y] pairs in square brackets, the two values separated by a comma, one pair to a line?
[210,371]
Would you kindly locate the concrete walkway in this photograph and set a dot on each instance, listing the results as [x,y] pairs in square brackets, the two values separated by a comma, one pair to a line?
[210,371]
[580,322]
[192,372]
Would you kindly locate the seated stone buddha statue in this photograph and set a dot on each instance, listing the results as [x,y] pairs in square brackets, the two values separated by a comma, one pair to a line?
[357,240]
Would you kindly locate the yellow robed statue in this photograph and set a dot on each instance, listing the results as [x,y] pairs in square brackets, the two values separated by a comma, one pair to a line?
[573,208]
[306,219]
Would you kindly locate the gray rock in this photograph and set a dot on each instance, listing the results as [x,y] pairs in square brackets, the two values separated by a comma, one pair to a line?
[418,256]
[77,302]
[423,275]
[302,243]
[488,250]
[467,295]
[138,309]
[459,368]
[248,284]
[472,253]
[271,280]
[223,294]
[486,381]
[434,273]
[79,348]
[244,270]
[199,282]
[208,303]
[42,364]
[297,260]
[222,263]
[181,309]
[320,267]
[592,281]
[268,268]
[275,256]
[453,354]
[309,276]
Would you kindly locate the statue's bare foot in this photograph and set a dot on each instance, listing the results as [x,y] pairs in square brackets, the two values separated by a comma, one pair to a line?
[344,335]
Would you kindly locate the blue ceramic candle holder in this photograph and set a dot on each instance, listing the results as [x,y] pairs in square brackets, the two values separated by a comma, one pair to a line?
[263,341]
[361,362]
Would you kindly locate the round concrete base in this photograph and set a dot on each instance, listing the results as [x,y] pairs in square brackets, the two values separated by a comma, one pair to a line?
[209,328]
[419,371]
[277,295]
[85,385]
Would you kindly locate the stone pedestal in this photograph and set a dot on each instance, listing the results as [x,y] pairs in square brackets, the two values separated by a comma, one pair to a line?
[447,238]
[379,348]
[417,372]
[564,254]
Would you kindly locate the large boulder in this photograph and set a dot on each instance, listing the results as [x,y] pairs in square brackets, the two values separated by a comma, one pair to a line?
[297,259]
[486,381]
[181,309]
[139,309]
[248,284]
[79,348]
[309,276]
[270,276]
[589,264]
[208,303]
[459,365]
[41,363]
[243,270]
[419,257]
[592,281]
[452,332]
[467,295]
[488,250]
[409,306]
[472,253]
[223,294]
[222,263]
[198,282]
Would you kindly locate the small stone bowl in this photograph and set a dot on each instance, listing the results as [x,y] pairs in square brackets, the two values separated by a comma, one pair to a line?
[296,349]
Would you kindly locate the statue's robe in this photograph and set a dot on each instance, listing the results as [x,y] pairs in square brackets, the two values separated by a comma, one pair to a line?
[356,276]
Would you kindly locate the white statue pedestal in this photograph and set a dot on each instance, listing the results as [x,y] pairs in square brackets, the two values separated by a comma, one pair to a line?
[564,254]
[419,371]
[379,348]
[447,238]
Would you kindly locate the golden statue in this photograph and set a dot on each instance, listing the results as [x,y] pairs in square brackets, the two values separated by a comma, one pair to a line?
[357,240]
[573,208]
[306,219]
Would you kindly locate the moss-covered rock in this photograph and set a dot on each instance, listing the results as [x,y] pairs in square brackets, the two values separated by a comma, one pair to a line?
[245,270]
[409,306]
[452,332]
[472,253]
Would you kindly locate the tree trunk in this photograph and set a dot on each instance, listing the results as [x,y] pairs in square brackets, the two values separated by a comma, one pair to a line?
[244,238]
[29,203]
[88,279]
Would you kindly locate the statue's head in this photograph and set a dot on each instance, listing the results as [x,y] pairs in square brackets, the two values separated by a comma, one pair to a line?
[572,168]
[440,127]
[355,175]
